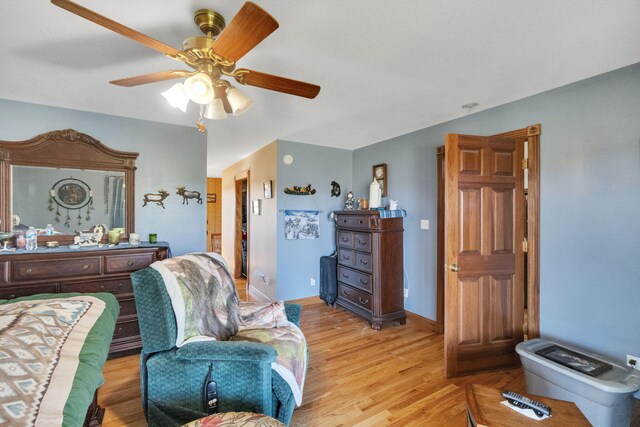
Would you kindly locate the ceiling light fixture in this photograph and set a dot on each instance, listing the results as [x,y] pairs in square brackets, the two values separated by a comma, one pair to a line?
[470,107]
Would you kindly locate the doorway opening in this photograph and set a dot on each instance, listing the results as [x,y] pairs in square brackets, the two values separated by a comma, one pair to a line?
[241,252]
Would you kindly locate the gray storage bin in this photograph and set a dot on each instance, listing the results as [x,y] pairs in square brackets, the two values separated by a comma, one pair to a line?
[606,399]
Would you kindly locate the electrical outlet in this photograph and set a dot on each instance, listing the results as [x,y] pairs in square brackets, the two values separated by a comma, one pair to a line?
[424,224]
[406,292]
[633,361]
[313,280]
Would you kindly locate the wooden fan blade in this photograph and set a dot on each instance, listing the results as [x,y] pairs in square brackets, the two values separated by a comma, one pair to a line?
[115,26]
[151,78]
[277,83]
[246,30]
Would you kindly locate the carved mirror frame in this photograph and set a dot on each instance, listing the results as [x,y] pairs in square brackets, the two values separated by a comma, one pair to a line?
[65,149]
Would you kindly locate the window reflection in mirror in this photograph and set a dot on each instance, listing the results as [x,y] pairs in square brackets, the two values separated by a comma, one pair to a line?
[71,200]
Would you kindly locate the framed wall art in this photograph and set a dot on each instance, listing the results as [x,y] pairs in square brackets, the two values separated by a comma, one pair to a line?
[380,175]
[267,189]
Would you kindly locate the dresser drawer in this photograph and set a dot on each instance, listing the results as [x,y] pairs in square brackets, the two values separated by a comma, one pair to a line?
[362,241]
[353,221]
[354,278]
[126,330]
[127,263]
[4,272]
[346,257]
[11,292]
[363,262]
[116,287]
[355,296]
[127,307]
[55,268]
[345,238]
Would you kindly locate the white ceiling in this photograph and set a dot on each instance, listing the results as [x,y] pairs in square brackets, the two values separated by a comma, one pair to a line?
[386,67]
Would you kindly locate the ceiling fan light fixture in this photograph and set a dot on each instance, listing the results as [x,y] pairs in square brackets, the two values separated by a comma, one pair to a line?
[199,88]
[215,110]
[177,97]
[238,101]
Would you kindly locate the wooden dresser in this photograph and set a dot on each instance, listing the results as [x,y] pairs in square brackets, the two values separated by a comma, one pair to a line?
[83,270]
[370,266]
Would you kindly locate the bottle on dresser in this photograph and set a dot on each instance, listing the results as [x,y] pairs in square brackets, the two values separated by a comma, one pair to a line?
[32,239]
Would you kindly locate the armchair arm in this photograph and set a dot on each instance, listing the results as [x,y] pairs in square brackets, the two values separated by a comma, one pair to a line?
[293,313]
[235,351]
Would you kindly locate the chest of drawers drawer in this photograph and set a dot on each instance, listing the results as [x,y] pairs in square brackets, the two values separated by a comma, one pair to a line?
[354,278]
[360,222]
[363,262]
[345,238]
[346,257]
[11,292]
[117,287]
[362,242]
[127,263]
[355,296]
[55,268]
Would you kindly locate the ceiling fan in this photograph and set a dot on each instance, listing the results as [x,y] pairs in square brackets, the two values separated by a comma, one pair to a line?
[211,57]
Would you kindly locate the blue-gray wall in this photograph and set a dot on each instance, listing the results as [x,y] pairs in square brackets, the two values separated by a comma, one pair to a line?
[298,260]
[169,156]
[590,205]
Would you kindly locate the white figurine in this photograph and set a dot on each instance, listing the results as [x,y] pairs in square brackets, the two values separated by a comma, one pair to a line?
[393,205]
[375,195]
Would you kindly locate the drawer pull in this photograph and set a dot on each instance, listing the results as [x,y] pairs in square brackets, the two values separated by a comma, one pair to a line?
[363,243]
[113,291]
[85,267]
[360,221]
[12,296]
[129,263]
[344,239]
[363,282]
[362,261]
[29,271]
[117,332]
[345,275]
[346,257]
[347,293]
[363,301]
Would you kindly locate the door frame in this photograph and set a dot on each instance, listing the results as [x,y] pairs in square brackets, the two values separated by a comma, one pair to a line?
[532,326]
[237,268]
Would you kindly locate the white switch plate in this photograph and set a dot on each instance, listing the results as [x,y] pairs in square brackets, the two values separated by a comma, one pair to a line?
[313,280]
[406,292]
[424,224]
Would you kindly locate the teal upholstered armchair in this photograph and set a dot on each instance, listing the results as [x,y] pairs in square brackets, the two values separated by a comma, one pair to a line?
[172,378]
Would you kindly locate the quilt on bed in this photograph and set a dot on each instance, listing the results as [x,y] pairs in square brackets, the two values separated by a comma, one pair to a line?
[51,355]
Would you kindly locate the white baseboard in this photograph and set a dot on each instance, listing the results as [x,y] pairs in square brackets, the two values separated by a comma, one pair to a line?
[254,292]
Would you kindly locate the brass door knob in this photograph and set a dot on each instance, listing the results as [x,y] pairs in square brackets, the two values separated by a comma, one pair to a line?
[455,268]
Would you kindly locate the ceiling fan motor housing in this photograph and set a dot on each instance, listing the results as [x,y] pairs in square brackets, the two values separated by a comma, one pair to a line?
[209,21]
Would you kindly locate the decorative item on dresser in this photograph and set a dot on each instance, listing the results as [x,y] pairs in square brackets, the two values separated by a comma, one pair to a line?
[62,270]
[370,266]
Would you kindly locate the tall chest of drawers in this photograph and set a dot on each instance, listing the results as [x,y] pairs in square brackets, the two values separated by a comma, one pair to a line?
[370,266]
[84,270]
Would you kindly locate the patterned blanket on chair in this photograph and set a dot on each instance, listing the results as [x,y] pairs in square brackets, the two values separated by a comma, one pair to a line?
[40,341]
[205,303]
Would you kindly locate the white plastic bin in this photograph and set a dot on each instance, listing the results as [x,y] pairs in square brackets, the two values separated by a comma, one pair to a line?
[606,400]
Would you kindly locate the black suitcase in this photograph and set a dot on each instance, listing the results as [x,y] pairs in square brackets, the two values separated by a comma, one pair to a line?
[328,279]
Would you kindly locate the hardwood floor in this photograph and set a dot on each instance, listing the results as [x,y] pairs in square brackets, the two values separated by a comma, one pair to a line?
[356,376]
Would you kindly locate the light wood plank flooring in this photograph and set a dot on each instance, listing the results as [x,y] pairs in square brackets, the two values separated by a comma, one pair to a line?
[356,376]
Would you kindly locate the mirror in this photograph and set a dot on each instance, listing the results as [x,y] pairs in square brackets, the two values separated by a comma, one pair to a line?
[67,179]
[71,200]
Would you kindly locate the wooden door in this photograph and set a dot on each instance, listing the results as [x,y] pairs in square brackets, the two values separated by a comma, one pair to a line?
[484,271]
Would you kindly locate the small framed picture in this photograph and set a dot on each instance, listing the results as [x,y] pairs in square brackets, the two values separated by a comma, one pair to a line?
[211,197]
[255,207]
[380,175]
[267,189]
[573,360]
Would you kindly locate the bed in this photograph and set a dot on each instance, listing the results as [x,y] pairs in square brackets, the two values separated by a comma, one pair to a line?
[52,350]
